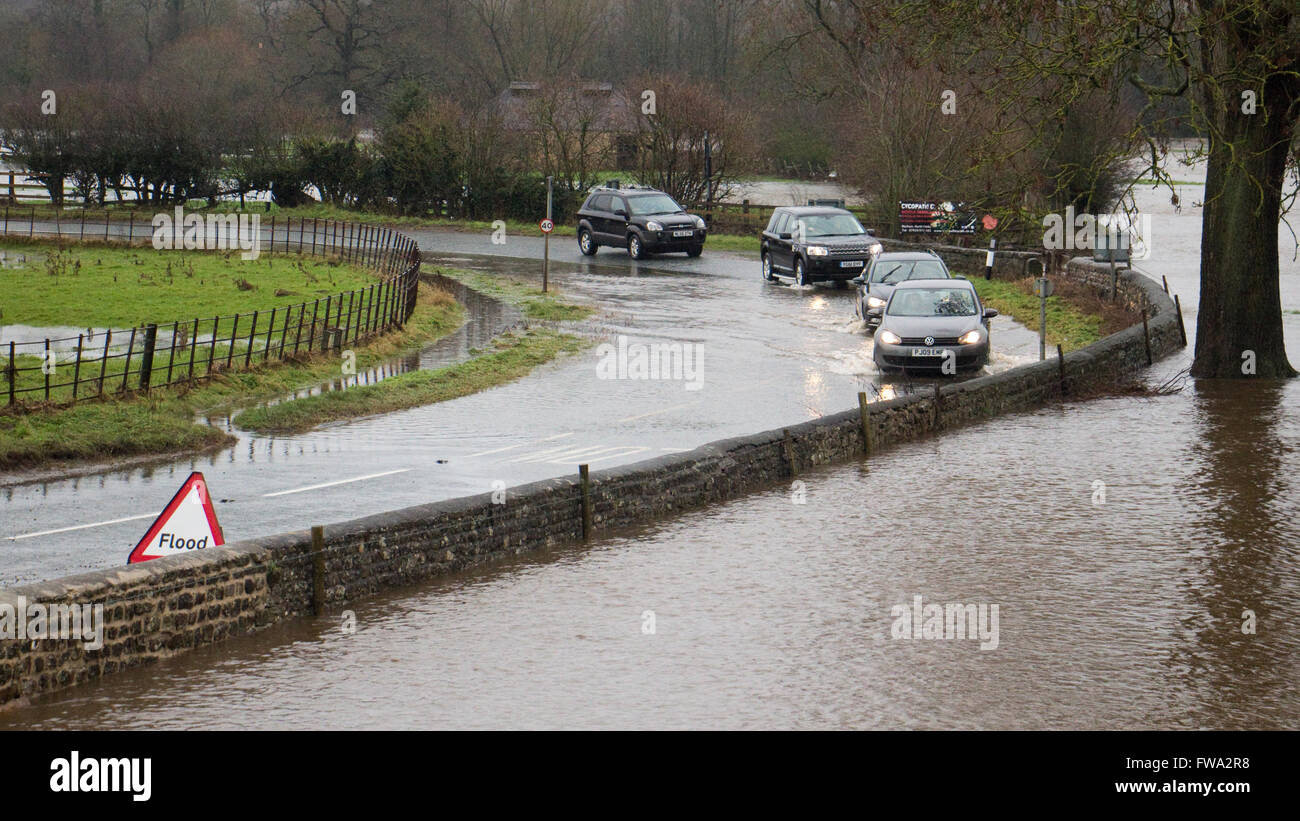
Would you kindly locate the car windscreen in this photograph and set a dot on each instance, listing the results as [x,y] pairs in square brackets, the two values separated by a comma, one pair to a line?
[829,225]
[892,272]
[932,302]
[653,204]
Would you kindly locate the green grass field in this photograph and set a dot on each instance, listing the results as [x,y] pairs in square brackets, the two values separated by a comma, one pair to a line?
[115,286]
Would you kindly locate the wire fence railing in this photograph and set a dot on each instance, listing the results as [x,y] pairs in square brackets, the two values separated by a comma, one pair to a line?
[117,362]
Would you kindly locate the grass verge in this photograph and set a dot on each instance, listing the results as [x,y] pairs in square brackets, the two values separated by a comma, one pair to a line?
[513,355]
[530,300]
[1075,316]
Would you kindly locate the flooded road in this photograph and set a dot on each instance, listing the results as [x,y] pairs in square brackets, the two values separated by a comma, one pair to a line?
[772,355]
[1143,554]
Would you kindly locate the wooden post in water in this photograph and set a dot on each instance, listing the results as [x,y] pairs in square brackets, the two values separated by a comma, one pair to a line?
[1182,331]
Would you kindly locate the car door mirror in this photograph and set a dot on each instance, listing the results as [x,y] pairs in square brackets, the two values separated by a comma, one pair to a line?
[620,212]
[989,313]
[871,232]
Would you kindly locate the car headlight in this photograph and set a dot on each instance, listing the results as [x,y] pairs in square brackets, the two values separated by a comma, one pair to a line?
[876,249]
[817,251]
[875,302]
[969,338]
[654,226]
[699,222]
[889,338]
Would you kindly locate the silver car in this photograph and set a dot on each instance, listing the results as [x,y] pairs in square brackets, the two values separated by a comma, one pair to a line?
[928,322]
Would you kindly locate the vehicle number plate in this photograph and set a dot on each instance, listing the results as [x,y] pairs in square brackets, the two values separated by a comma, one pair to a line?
[852,263]
[683,233]
[927,352]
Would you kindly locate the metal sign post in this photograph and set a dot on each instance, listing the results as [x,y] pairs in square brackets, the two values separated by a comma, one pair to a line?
[1043,287]
[546,249]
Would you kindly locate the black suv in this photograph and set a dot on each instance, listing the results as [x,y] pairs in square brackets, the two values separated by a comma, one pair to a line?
[642,220]
[816,244]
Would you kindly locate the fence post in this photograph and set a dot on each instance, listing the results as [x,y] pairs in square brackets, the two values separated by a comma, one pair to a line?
[352,300]
[76,369]
[234,331]
[12,371]
[212,348]
[106,222]
[311,334]
[270,329]
[82,238]
[288,312]
[171,358]
[297,339]
[130,229]
[325,327]
[130,351]
[45,368]
[252,334]
[272,249]
[370,304]
[146,358]
[194,344]
[103,362]
[314,224]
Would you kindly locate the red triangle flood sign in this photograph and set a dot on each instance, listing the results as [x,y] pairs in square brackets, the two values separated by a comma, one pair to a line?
[189,522]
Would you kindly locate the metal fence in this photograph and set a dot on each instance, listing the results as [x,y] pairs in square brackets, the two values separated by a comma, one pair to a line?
[117,362]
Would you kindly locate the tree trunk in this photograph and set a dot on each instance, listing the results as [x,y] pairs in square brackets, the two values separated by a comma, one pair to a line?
[1239,322]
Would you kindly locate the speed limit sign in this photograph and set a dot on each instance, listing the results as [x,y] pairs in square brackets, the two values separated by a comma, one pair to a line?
[547,226]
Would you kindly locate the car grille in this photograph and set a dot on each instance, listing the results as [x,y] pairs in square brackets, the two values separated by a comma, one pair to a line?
[938,340]
[851,252]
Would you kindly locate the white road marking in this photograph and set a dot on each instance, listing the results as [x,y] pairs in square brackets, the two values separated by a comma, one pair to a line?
[520,445]
[332,484]
[83,527]
[656,413]
[561,453]
[628,451]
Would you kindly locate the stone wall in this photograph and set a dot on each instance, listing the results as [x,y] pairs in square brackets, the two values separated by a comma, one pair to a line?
[169,605]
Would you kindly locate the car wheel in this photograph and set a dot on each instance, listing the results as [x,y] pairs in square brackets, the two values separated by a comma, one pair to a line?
[586,244]
[695,252]
[767,268]
[800,276]
[635,247]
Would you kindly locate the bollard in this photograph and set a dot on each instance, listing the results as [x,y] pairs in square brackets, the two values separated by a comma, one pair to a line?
[1182,331]
[584,479]
[317,569]
[1146,335]
[865,414]
[787,445]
